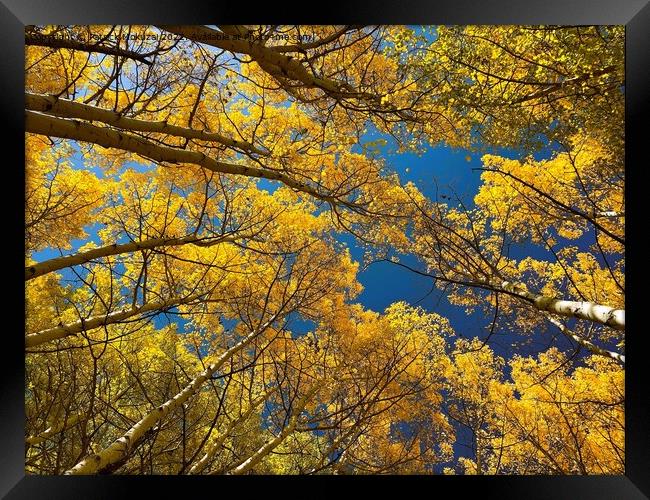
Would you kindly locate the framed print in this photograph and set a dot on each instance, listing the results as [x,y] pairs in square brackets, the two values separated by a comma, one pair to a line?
[380,246]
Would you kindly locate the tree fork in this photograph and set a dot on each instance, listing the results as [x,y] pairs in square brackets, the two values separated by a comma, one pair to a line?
[269,446]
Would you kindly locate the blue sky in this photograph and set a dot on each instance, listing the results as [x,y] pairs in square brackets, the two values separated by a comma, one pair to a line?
[439,171]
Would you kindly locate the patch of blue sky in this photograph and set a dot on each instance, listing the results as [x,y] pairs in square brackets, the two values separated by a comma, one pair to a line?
[50,253]
[78,162]
[268,185]
[441,170]
[299,325]
[427,32]
[451,176]
[172,317]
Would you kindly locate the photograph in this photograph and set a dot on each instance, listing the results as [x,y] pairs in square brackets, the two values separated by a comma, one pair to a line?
[323,249]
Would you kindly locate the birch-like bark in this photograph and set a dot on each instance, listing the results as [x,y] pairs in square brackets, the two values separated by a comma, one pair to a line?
[38,123]
[606,213]
[69,109]
[52,430]
[268,447]
[122,446]
[62,331]
[215,445]
[57,263]
[270,60]
[614,318]
[240,40]
[620,358]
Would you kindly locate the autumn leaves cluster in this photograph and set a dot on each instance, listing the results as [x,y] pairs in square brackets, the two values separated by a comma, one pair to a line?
[190,305]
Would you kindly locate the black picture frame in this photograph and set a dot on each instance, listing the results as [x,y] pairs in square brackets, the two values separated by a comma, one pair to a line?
[16,14]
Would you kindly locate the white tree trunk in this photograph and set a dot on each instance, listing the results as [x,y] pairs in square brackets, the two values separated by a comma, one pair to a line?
[270,60]
[62,331]
[614,318]
[215,445]
[38,123]
[268,447]
[70,109]
[122,446]
[585,343]
[52,430]
[57,263]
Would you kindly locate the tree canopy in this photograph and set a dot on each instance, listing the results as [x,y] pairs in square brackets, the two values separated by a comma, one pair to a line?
[192,301]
